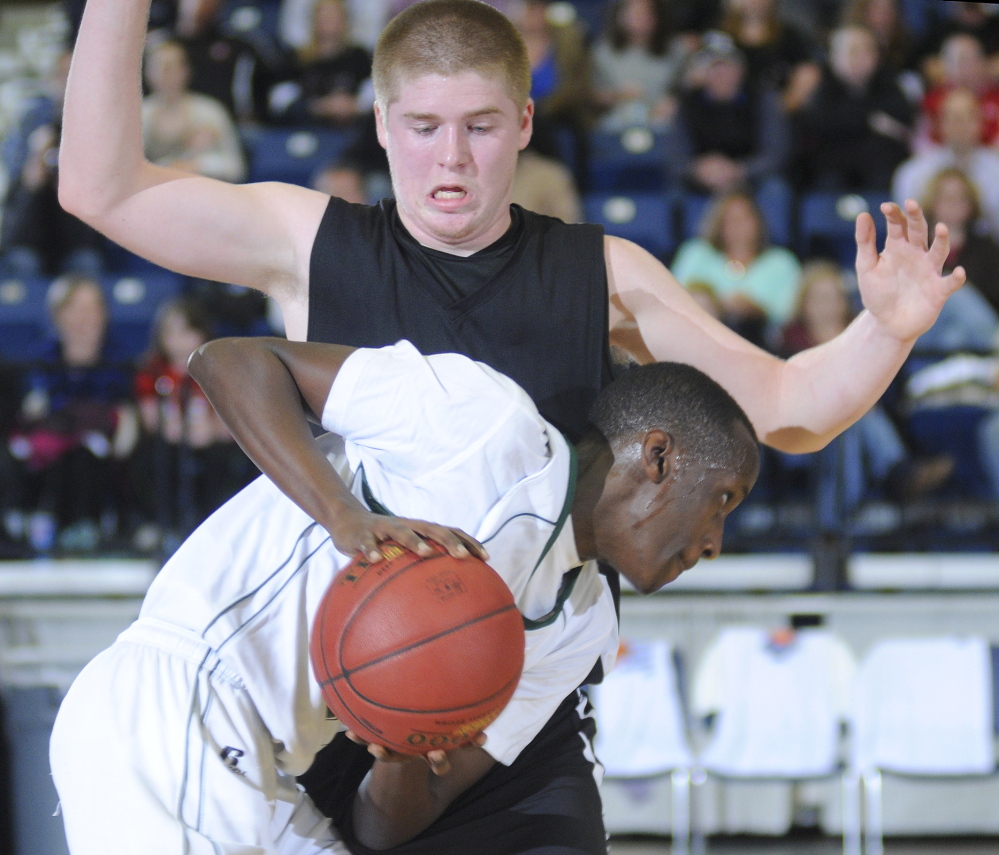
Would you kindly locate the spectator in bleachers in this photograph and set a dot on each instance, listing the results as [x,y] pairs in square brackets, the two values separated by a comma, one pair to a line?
[236,72]
[637,65]
[953,199]
[544,185]
[38,237]
[183,129]
[856,126]
[969,322]
[727,134]
[77,423]
[963,66]
[885,20]
[960,129]
[757,284]
[561,84]
[343,180]
[874,454]
[330,72]
[975,19]
[187,463]
[367,18]
[778,55]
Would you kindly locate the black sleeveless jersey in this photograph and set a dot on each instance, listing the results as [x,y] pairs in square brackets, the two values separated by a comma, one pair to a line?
[540,315]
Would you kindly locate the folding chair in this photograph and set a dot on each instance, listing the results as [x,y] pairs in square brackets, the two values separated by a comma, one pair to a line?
[776,711]
[293,155]
[827,224]
[24,318]
[923,708]
[132,305]
[630,160]
[645,218]
[641,728]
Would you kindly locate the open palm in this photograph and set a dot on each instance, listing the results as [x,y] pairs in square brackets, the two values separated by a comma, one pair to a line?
[903,286]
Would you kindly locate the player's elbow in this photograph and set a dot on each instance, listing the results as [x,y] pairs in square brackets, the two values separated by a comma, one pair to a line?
[78,196]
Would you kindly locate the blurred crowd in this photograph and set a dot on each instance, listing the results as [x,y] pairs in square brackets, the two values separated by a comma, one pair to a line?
[760,108]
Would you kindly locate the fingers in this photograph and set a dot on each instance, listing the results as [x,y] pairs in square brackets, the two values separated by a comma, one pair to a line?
[916,221]
[897,221]
[940,248]
[957,277]
[867,247]
[439,762]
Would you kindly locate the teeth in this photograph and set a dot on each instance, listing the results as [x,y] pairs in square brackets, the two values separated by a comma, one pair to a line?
[449,194]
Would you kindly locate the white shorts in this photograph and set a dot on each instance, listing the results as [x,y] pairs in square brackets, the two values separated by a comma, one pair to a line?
[159,749]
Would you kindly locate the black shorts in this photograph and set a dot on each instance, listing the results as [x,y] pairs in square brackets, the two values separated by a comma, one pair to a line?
[545,803]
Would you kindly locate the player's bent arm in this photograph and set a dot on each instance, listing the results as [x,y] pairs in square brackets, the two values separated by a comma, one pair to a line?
[400,798]
[265,390]
[801,404]
[255,236]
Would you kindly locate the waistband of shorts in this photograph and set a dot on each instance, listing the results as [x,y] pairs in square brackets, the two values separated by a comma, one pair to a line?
[180,642]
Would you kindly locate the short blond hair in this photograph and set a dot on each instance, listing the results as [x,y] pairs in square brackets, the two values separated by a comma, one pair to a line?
[449,37]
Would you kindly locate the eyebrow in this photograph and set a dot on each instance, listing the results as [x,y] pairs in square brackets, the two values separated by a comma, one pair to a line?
[433,117]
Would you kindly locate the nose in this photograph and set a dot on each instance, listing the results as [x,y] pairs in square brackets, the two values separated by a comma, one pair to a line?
[454,151]
[712,543]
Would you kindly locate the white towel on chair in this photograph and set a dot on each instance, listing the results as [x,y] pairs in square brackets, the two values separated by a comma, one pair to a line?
[640,722]
[778,709]
[924,706]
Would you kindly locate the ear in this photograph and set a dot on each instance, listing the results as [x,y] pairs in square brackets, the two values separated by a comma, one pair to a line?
[381,118]
[526,124]
[657,455]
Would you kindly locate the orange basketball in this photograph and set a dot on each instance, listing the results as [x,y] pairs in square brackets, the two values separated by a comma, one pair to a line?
[417,653]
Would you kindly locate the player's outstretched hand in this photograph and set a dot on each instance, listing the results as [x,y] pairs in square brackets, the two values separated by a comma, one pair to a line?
[437,760]
[903,287]
[358,531]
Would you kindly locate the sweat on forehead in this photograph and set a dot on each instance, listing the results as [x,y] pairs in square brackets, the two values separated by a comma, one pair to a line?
[449,37]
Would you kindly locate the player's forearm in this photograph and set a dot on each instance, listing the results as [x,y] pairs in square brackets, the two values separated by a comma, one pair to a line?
[825,389]
[394,803]
[101,158]
[257,396]
[399,799]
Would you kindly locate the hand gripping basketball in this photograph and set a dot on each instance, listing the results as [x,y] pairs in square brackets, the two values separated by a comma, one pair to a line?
[417,653]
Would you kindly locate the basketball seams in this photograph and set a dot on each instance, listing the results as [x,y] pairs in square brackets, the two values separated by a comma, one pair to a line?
[398,721]
[362,604]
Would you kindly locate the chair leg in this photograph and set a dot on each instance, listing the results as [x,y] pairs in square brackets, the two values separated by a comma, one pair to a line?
[680,780]
[851,813]
[873,828]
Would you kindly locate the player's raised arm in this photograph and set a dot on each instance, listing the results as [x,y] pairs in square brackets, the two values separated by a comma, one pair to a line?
[800,404]
[265,389]
[254,235]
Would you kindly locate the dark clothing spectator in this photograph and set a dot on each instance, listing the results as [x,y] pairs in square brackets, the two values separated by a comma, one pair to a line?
[854,139]
[727,133]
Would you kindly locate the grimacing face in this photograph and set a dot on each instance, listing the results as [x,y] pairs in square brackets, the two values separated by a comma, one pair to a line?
[652,532]
[452,144]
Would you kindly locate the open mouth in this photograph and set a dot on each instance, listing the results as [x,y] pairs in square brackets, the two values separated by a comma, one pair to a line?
[449,194]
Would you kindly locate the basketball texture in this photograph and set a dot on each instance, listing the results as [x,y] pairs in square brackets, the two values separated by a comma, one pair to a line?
[415,653]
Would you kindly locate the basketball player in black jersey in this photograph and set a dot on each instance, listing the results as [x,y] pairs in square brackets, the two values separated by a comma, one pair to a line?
[452,266]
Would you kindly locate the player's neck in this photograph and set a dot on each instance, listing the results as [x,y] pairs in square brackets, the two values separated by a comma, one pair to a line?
[594,458]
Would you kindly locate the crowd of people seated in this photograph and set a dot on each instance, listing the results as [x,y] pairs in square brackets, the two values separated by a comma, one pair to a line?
[759,104]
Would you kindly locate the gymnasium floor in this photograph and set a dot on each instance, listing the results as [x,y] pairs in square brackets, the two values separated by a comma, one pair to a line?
[810,846]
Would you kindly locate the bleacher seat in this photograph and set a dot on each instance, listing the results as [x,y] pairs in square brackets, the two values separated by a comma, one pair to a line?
[132,305]
[293,155]
[24,318]
[827,222]
[645,218]
[629,160]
